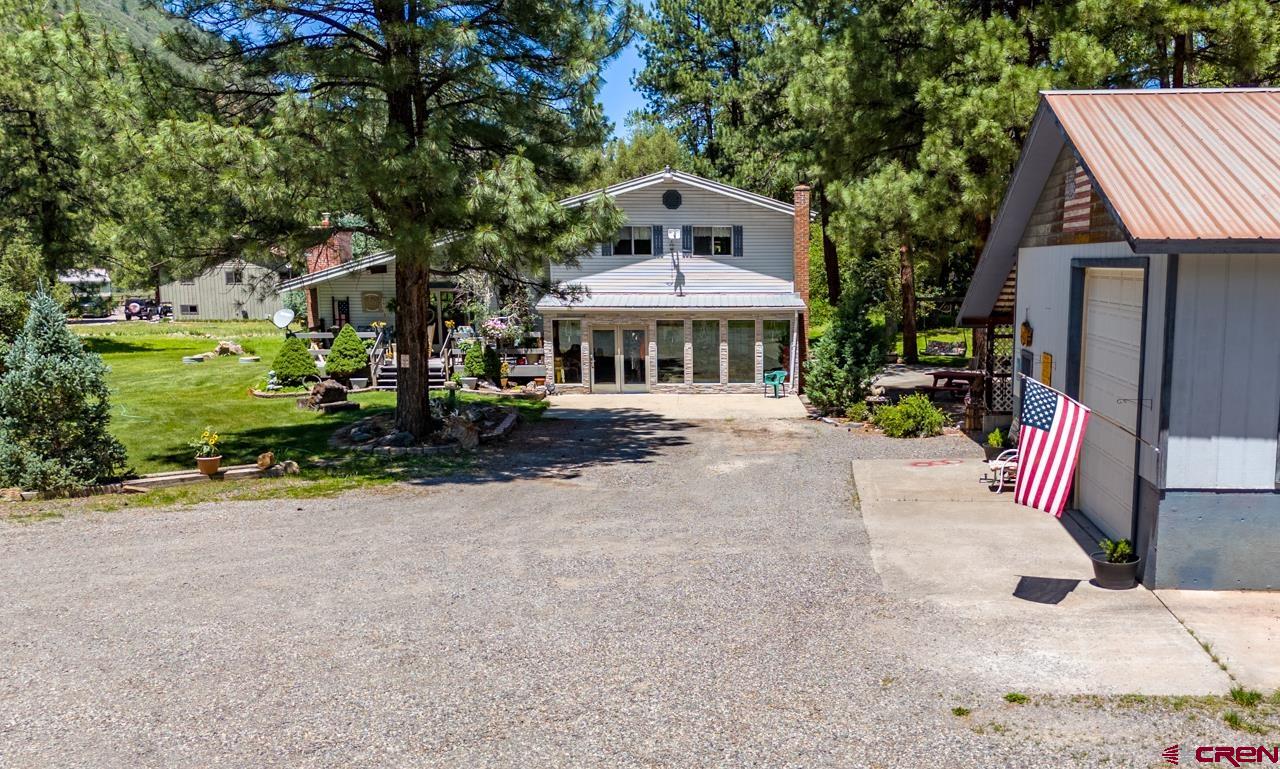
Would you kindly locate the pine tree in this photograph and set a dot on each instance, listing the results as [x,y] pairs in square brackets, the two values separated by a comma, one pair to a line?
[448,128]
[347,356]
[54,408]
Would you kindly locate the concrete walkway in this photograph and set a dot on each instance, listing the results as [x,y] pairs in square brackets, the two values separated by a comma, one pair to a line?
[1242,627]
[1016,585]
[677,407]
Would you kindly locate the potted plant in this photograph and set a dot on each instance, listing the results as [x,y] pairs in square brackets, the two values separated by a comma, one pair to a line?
[1115,565]
[997,441]
[504,374]
[208,457]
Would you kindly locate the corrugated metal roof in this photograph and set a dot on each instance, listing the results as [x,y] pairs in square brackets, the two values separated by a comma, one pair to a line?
[672,301]
[1181,165]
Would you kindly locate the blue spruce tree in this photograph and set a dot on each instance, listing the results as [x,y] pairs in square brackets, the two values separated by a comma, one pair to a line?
[54,408]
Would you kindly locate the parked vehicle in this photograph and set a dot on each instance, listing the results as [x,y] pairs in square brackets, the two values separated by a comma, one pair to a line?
[146,309]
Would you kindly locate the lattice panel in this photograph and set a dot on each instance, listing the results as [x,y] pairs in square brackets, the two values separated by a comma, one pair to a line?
[1000,370]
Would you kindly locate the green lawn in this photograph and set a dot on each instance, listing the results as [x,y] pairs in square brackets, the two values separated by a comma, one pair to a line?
[159,404]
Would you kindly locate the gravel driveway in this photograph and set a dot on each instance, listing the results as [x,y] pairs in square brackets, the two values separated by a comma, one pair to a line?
[633,592]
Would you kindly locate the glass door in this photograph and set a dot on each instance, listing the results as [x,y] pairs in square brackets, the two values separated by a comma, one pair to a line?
[604,360]
[634,360]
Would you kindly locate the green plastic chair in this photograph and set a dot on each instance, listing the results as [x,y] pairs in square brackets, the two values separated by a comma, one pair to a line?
[776,380]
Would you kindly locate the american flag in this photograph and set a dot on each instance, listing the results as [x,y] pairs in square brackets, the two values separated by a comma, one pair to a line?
[1048,446]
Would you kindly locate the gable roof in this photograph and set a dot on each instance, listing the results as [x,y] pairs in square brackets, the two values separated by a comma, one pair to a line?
[1180,170]
[667,175]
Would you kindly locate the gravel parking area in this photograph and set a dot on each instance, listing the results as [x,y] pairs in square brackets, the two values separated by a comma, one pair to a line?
[635,591]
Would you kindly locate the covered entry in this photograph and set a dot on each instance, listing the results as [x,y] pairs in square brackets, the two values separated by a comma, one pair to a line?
[1110,384]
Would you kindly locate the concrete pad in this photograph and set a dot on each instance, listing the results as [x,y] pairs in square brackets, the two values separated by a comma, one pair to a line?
[675,407]
[936,534]
[1242,626]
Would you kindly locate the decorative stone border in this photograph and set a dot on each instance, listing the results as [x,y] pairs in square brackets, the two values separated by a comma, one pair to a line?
[172,478]
[301,393]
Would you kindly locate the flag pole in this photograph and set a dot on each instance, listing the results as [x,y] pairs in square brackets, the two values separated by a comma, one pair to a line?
[1094,412]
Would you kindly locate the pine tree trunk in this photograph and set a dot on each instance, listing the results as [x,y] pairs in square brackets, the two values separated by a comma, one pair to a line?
[830,261]
[413,345]
[907,275]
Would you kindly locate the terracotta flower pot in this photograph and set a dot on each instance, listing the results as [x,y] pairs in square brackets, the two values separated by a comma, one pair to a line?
[208,465]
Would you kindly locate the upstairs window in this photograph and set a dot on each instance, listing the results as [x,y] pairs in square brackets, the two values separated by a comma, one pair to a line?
[234,277]
[712,241]
[633,241]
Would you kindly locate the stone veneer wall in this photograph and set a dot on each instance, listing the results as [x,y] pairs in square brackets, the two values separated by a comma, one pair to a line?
[650,324]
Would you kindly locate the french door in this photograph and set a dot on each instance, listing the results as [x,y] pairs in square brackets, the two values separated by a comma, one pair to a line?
[619,360]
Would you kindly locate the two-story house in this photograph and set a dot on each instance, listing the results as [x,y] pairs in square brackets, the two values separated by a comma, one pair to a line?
[705,289]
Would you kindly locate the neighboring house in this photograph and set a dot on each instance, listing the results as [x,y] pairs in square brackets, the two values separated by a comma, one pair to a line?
[1137,254]
[704,290]
[231,290]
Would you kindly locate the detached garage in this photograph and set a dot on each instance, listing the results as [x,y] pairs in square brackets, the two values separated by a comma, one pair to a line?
[1135,265]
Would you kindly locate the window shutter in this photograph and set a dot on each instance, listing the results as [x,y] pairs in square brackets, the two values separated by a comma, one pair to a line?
[737,240]
[606,248]
[686,238]
[657,240]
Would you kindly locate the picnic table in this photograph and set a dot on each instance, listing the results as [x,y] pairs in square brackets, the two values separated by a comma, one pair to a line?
[952,381]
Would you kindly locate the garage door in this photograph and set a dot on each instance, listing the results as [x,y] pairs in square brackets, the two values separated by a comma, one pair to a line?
[1111,348]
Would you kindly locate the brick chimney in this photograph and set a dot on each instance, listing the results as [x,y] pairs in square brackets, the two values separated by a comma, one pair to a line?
[331,253]
[800,264]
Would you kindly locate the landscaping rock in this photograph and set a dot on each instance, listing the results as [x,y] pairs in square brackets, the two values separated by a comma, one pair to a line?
[228,348]
[290,467]
[323,394]
[402,438]
[266,459]
[13,494]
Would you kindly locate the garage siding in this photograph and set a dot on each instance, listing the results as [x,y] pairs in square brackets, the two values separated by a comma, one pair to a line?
[1043,299]
[1225,396]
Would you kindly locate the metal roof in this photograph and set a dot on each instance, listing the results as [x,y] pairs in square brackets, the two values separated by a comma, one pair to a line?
[779,301]
[1180,165]
[329,273]
[1179,170]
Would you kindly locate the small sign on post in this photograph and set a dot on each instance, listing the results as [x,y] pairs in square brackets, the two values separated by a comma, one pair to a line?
[404,361]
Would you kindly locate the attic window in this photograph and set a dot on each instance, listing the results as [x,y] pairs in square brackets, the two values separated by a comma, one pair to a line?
[378,269]
[234,277]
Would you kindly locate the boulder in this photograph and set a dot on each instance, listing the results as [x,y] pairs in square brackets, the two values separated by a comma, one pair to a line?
[13,494]
[322,394]
[266,459]
[228,348]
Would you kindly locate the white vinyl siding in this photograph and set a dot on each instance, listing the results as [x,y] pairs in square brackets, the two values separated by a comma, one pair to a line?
[765,265]
[353,288]
[1225,394]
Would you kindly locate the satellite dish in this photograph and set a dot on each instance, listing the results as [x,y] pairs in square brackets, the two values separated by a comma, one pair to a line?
[282,318]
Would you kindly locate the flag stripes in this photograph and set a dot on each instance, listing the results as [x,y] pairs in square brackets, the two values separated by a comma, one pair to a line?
[1049,441]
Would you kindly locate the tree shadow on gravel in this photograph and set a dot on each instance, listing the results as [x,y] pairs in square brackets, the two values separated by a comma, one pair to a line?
[566,442]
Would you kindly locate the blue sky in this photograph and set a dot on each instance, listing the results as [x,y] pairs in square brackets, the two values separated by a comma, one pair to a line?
[617,95]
